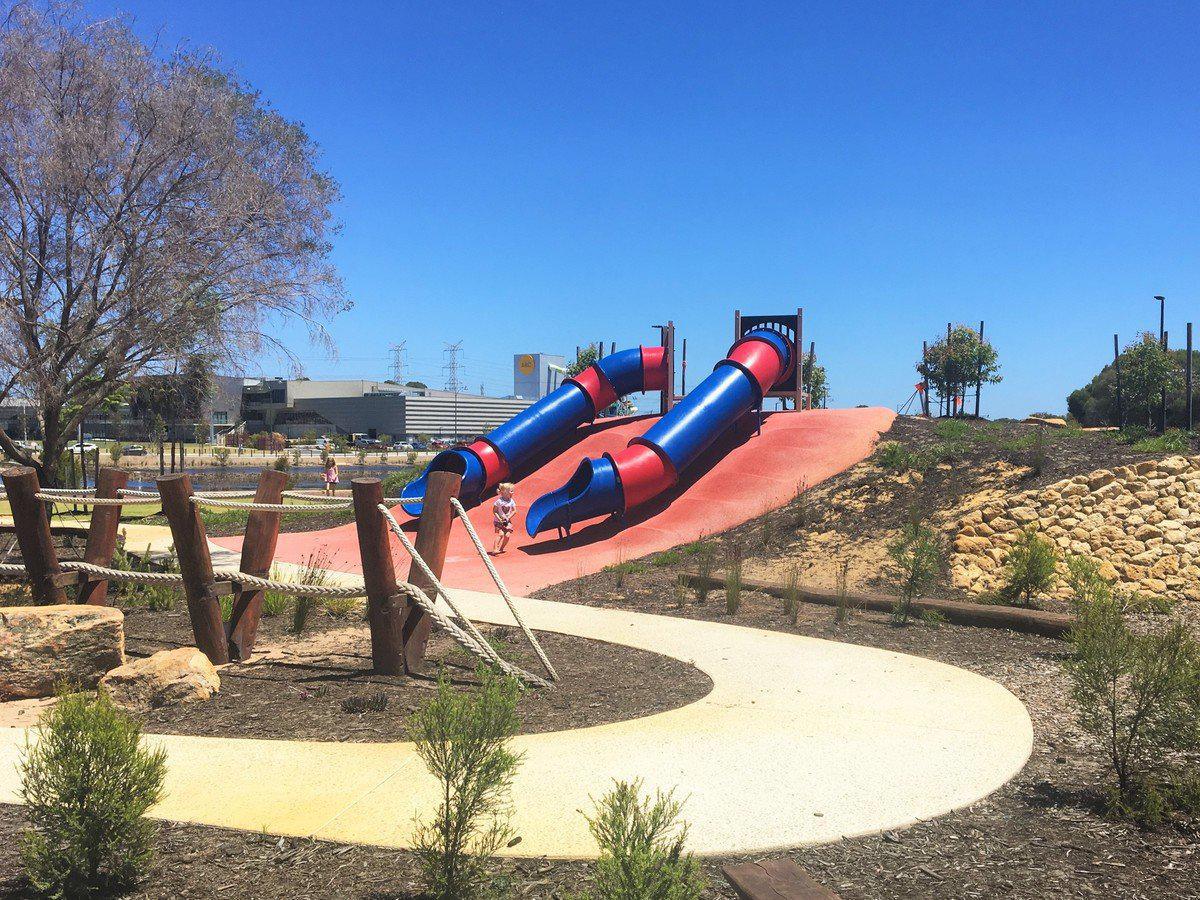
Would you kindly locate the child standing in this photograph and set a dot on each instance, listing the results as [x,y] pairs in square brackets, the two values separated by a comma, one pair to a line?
[331,476]
[503,511]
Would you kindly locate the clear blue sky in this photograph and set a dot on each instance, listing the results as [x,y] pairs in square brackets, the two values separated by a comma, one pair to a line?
[531,176]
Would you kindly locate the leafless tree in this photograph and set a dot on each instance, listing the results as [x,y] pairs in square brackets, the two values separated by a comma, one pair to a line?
[151,206]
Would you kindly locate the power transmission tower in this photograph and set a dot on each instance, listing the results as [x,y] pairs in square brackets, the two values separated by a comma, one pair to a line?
[399,363]
[453,382]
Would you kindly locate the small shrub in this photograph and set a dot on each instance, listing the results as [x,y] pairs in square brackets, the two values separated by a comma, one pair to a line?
[621,570]
[87,786]
[340,607]
[791,594]
[705,560]
[155,597]
[1030,568]
[641,843]
[733,581]
[1138,693]
[952,429]
[221,456]
[918,557]
[933,617]
[681,589]
[802,511]
[115,451]
[842,610]
[281,463]
[275,603]
[410,458]
[463,741]
[894,456]
[396,482]
[1038,455]
[361,456]
[376,701]
[1173,440]
[766,530]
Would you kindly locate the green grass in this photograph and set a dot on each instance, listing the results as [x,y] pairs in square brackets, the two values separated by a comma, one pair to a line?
[1174,440]
[952,429]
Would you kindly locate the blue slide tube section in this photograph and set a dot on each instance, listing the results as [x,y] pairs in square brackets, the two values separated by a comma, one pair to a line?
[520,438]
[690,428]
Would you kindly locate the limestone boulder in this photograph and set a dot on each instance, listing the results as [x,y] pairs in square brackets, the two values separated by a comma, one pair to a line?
[44,646]
[184,675]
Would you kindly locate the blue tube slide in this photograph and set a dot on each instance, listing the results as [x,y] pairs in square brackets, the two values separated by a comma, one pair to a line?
[493,458]
[651,463]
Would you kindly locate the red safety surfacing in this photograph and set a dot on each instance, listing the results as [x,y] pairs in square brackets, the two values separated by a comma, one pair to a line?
[741,477]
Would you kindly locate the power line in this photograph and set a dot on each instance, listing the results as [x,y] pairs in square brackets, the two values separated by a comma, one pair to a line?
[399,365]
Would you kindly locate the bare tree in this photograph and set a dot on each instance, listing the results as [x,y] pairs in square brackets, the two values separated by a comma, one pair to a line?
[151,206]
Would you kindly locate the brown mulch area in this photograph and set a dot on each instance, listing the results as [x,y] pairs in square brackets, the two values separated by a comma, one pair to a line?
[298,690]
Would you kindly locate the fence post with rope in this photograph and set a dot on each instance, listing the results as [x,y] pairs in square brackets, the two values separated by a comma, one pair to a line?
[386,609]
[433,537]
[195,565]
[102,536]
[258,552]
[32,524]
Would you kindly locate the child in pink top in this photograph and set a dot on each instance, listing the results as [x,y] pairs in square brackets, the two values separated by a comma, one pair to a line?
[503,511]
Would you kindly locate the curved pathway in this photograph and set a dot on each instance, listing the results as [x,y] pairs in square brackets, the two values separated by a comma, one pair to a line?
[800,741]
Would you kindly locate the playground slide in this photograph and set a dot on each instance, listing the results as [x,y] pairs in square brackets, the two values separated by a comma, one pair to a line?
[495,457]
[651,463]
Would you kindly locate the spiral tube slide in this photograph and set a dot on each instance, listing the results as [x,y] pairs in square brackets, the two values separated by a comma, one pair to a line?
[492,459]
[616,483]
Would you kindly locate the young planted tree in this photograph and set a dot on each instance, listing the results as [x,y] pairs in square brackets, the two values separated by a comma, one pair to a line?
[816,383]
[1147,370]
[959,361]
[151,208]
[1030,568]
[917,555]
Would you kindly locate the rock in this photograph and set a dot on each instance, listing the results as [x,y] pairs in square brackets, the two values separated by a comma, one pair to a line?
[169,676]
[41,646]
[1100,478]
[1172,465]
[1023,514]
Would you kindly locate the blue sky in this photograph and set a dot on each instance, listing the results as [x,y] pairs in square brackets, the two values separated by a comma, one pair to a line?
[532,176]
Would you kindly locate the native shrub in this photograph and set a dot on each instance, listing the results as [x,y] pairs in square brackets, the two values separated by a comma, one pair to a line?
[1138,693]
[641,841]
[87,786]
[917,556]
[463,740]
[1030,568]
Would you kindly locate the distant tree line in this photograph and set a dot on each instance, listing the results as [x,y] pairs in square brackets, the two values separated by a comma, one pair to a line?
[1147,370]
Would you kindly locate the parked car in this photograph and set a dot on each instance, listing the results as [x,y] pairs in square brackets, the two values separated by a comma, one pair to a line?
[83,448]
[134,450]
[402,446]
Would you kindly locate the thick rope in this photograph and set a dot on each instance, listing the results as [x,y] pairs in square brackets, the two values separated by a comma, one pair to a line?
[294,588]
[470,638]
[512,607]
[13,572]
[267,507]
[169,578]
[83,499]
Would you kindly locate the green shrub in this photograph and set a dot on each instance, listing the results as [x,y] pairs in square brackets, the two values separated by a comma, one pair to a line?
[1173,440]
[155,597]
[895,457]
[733,581]
[641,843]
[275,603]
[87,786]
[933,617]
[281,463]
[621,570]
[842,610]
[463,740]
[396,482]
[221,456]
[952,429]
[791,594]
[918,556]
[1030,568]
[705,560]
[1138,693]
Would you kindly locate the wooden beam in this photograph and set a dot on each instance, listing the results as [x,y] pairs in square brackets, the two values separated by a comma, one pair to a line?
[33,534]
[385,612]
[433,536]
[258,552]
[195,564]
[774,879]
[102,535]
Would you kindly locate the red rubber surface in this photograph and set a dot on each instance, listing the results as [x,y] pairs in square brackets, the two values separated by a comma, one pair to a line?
[739,478]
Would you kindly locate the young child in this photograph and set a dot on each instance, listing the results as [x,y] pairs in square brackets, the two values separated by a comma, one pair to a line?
[503,511]
[331,476]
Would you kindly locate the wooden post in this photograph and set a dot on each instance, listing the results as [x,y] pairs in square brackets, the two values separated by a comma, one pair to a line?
[1117,367]
[1188,376]
[979,370]
[195,564]
[258,552]
[798,402]
[925,378]
[385,611]
[102,535]
[433,536]
[949,386]
[33,534]
[683,372]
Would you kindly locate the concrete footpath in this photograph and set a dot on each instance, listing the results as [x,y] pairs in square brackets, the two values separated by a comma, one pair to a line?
[800,741]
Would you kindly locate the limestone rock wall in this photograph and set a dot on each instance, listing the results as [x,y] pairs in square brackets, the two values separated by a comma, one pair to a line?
[1141,522]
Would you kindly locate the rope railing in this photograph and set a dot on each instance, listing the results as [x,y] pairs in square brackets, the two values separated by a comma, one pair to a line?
[467,636]
[222,502]
[461,512]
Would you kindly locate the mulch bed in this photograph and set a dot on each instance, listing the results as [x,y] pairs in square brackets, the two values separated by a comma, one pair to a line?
[300,695]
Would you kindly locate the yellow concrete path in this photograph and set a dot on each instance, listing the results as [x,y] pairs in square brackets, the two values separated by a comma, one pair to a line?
[800,741]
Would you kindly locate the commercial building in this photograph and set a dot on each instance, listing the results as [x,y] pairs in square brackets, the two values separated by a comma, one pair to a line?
[537,374]
[296,408]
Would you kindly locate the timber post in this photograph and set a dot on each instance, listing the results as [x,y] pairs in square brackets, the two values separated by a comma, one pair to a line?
[33,535]
[195,565]
[102,535]
[385,610]
[433,536]
[258,552]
